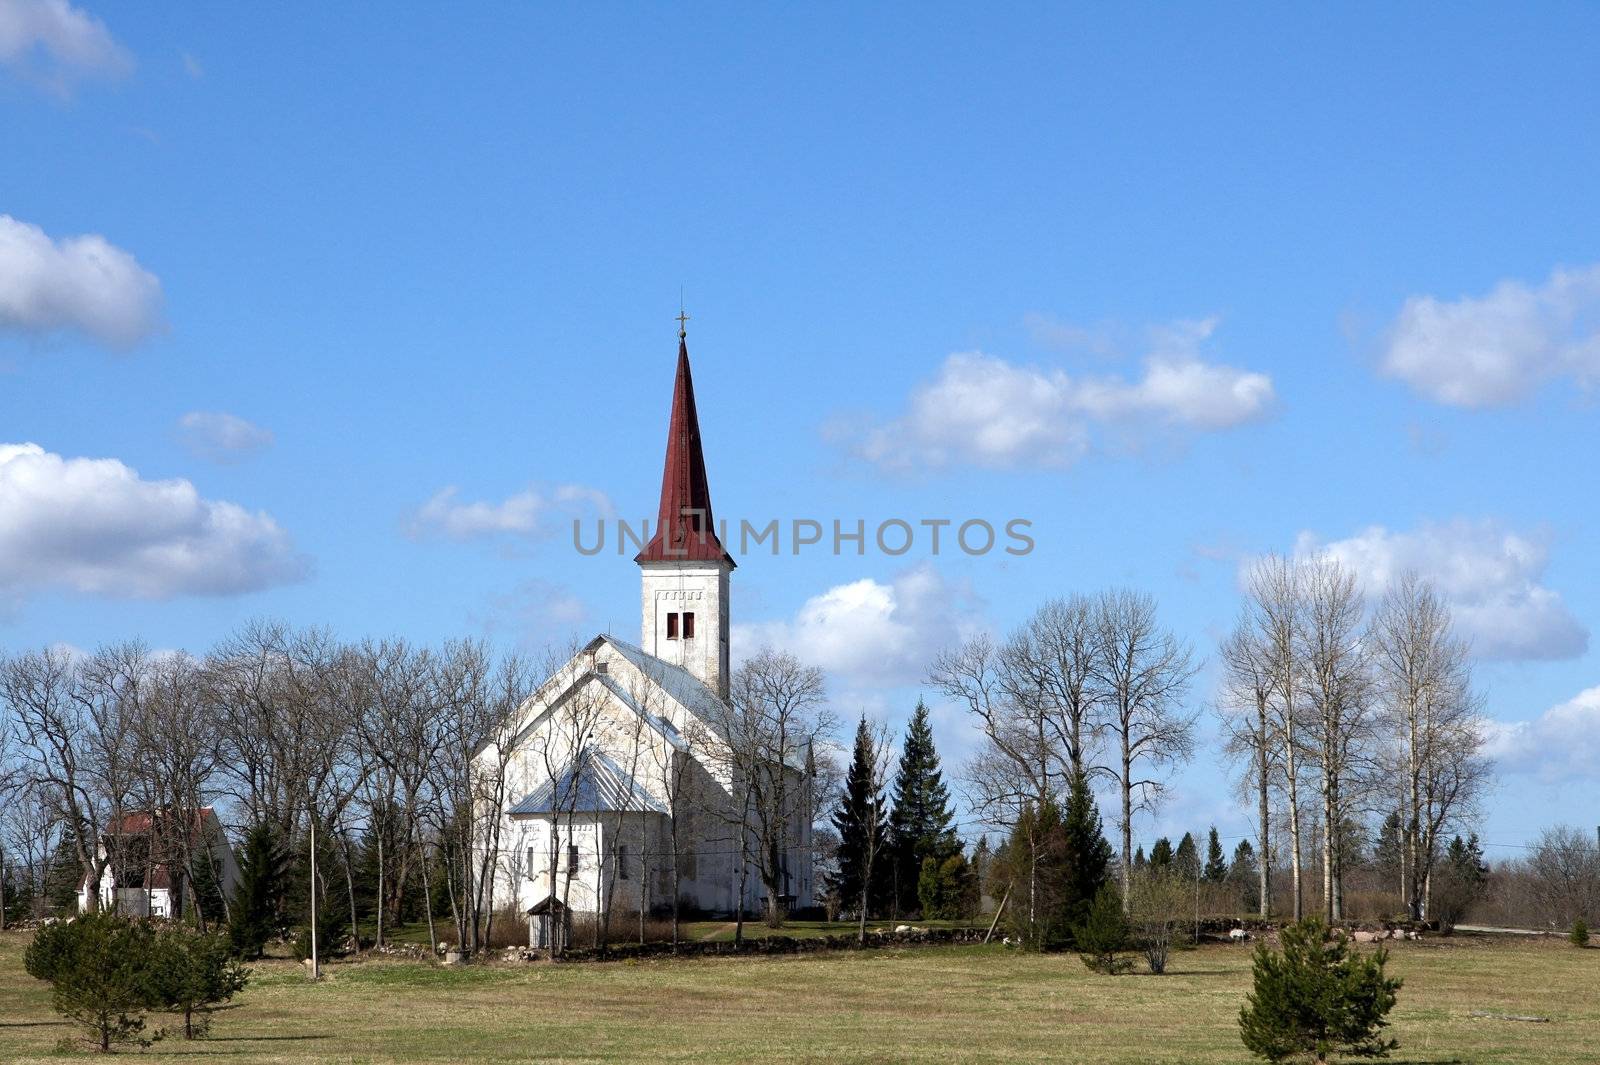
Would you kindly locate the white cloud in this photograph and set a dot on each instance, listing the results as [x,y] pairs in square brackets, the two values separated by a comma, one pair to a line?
[1491,575]
[95,526]
[1557,745]
[57,45]
[985,411]
[83,283]
[526,513]
[1493,350]
[868,631]
[221,437]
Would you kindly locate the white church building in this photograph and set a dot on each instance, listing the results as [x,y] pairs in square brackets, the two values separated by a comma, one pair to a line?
[625,746]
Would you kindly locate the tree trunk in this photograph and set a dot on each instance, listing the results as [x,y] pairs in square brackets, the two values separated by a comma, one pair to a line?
[1292,787]
[382,901]
[1126,874]
[427,889]
[1264,811]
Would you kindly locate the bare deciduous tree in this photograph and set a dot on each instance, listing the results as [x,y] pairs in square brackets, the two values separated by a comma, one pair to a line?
[1425,680]
[1341,710]
[1143,673]
[776,715]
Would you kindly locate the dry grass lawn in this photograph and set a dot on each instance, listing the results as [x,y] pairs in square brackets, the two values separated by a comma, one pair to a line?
[944,1004]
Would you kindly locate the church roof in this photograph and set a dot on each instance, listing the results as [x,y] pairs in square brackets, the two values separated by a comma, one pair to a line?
[591,783]
[685,528]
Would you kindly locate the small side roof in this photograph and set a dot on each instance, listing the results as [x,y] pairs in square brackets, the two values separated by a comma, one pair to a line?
[590,783]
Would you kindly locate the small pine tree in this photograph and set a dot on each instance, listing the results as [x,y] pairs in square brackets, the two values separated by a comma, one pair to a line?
[1216,870]
[862,827]
[1580,933]
[1316,997]
[192,972]
[261,872]
[1103,933]
[99,967]
[1139,860]
[922,824]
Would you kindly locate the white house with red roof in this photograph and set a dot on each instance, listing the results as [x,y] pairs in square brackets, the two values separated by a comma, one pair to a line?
[146,858]
[625,743]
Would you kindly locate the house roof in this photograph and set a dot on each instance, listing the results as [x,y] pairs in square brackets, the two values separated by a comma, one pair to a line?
[590,783]
[685,528]
[140,822]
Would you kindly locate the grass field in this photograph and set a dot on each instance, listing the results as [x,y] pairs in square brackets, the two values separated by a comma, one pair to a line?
[945,1004]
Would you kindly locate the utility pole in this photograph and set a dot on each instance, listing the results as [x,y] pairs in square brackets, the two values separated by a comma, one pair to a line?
[316,969]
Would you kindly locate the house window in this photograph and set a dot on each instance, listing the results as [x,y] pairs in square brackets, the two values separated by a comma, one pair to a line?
[688,626]
[572,856]
[622,861]
[672,626]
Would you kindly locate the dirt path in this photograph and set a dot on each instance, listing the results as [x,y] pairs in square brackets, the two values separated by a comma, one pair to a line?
[1503,931]
[717,931]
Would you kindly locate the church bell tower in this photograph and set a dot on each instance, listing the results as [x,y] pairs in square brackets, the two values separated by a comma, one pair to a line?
[684,570]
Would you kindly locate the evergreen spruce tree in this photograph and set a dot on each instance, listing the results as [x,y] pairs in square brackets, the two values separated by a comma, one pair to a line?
[860,822]
[1033,864]
[1458,882]
[63,875]
[1216,870]
[1088,853]
[1317,998]
[255,901]
[1186,859]
[947,890]
[922,825]
[1389,850]
[1161,853]
[1243,874]
[982,866]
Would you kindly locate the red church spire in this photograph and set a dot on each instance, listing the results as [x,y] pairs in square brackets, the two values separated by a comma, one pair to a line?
[685,529]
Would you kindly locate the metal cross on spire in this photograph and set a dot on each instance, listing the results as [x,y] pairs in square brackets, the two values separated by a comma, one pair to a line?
[682,318]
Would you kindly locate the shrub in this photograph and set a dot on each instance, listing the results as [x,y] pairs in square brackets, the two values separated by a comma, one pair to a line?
[190,972]
[1157,901]
[1580,933]
[1317,997]
[100,969]
[1104,934]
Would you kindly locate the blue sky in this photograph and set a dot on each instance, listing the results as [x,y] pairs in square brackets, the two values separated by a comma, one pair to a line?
[1217,282]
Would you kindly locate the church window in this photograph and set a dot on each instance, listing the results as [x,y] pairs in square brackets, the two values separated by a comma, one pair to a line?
[672,626]
[688,626]
[572,856]
[532,863]
[622,861]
